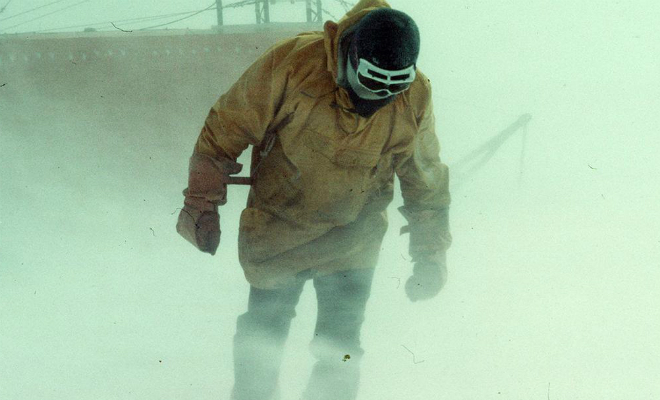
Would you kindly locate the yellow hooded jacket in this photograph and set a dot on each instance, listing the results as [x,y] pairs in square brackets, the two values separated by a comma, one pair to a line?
[318,199]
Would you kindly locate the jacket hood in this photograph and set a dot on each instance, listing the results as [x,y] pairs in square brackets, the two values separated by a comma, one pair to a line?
[333,31]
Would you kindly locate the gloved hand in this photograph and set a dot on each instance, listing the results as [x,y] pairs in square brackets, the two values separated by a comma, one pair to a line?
[429,276]
[199,222]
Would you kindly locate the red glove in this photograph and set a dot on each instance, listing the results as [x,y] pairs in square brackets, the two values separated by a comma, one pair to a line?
[199,222]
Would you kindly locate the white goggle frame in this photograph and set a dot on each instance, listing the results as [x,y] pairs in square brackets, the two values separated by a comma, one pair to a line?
[365,68]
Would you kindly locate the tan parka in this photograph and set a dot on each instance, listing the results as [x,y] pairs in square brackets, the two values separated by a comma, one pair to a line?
[318,198]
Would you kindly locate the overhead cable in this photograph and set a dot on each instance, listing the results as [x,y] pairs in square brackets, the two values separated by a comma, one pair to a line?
[46,15]
[4,7]
[330,14]
[211,7]
[347,5]
[28,11]
[240,3]
[188,14]
[109,23]
[151,18]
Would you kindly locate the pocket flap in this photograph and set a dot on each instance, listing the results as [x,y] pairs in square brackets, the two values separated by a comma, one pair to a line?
[340,155]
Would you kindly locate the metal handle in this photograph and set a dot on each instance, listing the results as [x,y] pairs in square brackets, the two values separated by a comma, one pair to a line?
[240,180]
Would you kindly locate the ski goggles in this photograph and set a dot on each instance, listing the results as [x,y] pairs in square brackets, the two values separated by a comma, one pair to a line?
[384,82]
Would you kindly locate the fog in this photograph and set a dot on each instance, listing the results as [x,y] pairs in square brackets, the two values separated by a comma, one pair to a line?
[553,273]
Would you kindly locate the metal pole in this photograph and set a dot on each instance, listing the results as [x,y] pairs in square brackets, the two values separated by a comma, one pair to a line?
[218,4]
[308,3]
[262,8]
[266,11]
[319,11]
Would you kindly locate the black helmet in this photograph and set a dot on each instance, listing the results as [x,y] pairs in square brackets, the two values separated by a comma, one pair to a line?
[386,38]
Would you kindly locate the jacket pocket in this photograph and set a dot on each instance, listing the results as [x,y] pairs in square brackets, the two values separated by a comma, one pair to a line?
[340,177]
[338,154]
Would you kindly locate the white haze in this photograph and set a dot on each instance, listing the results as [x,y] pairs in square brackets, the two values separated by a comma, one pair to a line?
[554,273]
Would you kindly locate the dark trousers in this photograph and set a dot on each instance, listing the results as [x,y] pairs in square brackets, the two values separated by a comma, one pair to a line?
[262,331]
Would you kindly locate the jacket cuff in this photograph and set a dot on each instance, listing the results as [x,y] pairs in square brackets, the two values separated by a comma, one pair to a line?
[429,231]
[208,178]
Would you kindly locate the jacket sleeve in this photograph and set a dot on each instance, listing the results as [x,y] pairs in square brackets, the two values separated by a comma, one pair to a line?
[425,188]
[246,111]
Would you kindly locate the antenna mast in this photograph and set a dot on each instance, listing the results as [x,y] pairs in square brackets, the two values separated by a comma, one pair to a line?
[218,9]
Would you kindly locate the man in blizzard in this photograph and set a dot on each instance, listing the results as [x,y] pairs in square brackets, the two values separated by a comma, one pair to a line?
[333,116]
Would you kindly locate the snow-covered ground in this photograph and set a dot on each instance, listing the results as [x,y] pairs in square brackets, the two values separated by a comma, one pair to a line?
[554,273]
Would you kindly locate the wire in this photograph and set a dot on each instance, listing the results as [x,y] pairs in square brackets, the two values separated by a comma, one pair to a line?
[330,14]
[188,14]
[148,18]
[30,10]
[4,7]
[45,15]
[240,3]
[212,6]
[141,19]
[347,5]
